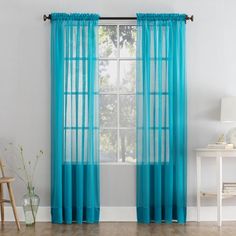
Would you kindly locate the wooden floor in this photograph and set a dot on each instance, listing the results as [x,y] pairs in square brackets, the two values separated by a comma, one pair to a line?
[122,229]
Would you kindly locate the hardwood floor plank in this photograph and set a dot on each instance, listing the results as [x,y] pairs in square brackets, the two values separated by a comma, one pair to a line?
[121,229]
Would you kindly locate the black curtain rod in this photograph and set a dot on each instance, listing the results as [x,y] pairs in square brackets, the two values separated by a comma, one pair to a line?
[45,17]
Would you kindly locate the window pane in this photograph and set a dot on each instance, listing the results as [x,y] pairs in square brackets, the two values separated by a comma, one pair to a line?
[127,146]
[127,40]
[108,111]
[108,75]
[127,111]
[108,145]
[107,41]
[116,137]
[127,76]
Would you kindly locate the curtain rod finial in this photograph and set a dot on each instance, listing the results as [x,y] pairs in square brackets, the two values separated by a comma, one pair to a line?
[189,18]
[45,17]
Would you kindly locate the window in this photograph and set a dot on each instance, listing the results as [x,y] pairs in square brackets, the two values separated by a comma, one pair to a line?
[117,67]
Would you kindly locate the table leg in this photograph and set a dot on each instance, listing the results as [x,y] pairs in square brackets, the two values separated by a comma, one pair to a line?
[198,187]
[219,189]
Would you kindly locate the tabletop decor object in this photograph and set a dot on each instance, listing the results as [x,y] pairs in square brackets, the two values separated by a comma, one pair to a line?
[231,136]
[220,146]
[228,114]
[221,139]
[229,187]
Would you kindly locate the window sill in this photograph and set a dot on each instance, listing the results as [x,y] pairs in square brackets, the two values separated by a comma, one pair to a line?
[117,163]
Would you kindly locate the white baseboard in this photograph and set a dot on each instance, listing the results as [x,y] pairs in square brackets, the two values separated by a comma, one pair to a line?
[43,215]
[209,213]
[128,214]
[112,214]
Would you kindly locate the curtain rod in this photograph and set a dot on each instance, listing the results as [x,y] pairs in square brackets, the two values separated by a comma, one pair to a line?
[48,17]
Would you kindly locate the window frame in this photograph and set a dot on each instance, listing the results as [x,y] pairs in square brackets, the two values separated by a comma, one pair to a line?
[118,59]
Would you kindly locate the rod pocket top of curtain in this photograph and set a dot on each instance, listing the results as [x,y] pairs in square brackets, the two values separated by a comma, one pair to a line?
[73,16]
[161,17]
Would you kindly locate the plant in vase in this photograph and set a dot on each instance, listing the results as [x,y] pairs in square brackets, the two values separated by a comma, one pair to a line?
[25,170]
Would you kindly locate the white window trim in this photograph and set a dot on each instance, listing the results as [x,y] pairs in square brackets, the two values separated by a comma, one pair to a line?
[117,22]
[117,163]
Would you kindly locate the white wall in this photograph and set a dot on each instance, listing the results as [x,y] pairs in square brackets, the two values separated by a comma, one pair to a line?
[25,81]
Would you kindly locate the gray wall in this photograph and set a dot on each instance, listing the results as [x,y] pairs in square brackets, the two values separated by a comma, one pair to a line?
[25,82]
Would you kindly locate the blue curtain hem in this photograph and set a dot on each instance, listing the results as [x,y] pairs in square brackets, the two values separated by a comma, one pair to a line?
[75,215]
[160,215]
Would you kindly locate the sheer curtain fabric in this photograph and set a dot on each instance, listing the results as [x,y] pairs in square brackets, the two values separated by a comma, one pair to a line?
[161,118]
[74,119]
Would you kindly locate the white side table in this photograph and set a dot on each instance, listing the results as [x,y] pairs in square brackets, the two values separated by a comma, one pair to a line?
[218,154]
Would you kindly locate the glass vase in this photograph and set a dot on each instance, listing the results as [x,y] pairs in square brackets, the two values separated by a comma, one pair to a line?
[30,206]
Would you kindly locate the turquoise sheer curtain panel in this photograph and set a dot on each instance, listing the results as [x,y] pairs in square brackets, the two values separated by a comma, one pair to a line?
[161,118]
[74,119]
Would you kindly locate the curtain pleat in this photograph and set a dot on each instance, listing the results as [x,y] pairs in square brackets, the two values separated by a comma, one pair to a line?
[161,118]
[74,119]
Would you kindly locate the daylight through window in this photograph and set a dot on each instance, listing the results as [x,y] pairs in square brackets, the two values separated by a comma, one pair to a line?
[117,67]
